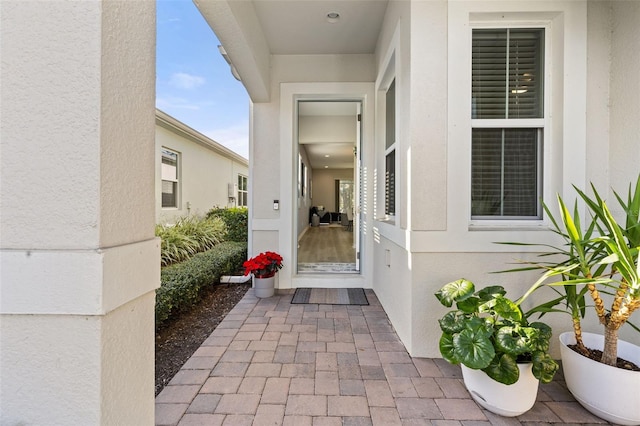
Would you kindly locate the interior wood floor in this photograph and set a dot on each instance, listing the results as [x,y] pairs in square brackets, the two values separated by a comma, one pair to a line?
[326,244]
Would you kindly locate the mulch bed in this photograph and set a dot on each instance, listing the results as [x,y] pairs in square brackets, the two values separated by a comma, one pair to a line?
[181,336]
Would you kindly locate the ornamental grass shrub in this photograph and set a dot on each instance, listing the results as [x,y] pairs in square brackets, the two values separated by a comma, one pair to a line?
[236,219]
[189,235]
[181,284]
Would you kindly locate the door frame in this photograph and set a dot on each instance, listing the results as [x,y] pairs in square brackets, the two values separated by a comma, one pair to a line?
[290,95]
[355,180]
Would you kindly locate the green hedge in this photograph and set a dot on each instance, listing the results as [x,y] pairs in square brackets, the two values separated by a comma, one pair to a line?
[236,219]
[182,283]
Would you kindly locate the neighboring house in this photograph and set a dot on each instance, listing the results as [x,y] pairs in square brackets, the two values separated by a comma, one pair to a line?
[78,167]
[195,173]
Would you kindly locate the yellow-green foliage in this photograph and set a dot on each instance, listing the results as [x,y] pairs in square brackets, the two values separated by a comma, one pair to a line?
[181,284]
[189,235]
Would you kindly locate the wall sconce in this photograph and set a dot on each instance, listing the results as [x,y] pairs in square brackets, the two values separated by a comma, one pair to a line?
[234,71]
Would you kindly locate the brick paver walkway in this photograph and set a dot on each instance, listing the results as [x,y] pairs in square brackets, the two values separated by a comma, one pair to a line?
[273,363]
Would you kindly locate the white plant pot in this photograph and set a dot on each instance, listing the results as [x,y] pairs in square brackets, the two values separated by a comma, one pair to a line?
[264,287]
[505,400]
[610,393]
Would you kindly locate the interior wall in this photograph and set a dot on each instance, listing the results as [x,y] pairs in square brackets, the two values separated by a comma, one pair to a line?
[304,201]
[324,186]
[321,129]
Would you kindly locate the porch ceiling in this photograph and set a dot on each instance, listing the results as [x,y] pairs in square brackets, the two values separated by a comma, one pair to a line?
[253,30]
[303,27]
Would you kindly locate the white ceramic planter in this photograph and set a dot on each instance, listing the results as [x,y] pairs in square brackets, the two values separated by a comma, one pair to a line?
[264,287]
[505,400]
[610,393]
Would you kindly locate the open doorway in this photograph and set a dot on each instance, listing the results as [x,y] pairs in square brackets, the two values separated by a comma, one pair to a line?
[328,226]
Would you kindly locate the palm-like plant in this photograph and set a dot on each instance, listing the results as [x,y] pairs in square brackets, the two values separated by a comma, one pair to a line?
[604,259]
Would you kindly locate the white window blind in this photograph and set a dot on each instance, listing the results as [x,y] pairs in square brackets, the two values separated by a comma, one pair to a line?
[506,111]
[243,191]
[507,82]
[169,173]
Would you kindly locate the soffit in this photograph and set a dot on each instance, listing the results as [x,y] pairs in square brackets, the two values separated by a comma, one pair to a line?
[301,27]
[252,31]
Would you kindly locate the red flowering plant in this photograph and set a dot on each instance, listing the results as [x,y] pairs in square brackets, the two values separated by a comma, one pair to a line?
[264,265]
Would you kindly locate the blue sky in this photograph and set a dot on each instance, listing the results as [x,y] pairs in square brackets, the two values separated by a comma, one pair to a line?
[193,81]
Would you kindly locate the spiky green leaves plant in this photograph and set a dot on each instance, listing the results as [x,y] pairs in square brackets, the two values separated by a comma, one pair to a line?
[604,258]
[188,236]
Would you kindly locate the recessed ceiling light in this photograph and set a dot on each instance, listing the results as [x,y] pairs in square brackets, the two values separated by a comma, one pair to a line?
[327,156]
[326,167]
[333,17]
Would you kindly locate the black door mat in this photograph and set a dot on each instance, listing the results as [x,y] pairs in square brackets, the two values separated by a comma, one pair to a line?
[330,296]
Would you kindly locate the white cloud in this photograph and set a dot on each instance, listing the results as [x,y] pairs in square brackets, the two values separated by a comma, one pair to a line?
[236,138]
[183,80]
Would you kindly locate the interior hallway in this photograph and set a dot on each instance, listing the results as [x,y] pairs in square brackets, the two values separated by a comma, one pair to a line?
[326,248]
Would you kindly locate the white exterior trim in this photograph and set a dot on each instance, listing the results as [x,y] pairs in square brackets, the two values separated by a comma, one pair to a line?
[565,114]
[290,93]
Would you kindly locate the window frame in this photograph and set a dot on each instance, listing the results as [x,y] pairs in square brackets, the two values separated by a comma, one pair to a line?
[543,124]
[243,194]
[390,149]
[176,182]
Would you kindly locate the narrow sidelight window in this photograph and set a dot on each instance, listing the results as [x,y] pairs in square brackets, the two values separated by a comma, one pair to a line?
[390,152]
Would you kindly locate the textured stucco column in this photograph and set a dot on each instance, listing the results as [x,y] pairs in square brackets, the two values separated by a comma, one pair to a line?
[78,258]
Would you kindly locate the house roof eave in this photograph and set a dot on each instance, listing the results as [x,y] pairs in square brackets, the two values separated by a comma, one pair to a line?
[168,122]
[236,25]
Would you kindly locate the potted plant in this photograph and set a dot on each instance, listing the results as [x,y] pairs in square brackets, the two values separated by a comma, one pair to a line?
[263,267]
[599,259]
[503,356]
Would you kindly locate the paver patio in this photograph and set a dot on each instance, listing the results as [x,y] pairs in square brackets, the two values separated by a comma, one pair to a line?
[273,363]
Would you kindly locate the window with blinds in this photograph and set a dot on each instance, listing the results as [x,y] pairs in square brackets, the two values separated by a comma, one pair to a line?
[507,112]
[169,172]
[390,151]
[243,191]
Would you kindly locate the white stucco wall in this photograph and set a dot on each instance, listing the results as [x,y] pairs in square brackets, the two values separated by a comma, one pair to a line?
[78,256]
[441,244]
[204,173]
[592,136]
[624,99]
[391,278]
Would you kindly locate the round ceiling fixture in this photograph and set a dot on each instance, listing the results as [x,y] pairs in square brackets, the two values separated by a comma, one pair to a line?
[333,17]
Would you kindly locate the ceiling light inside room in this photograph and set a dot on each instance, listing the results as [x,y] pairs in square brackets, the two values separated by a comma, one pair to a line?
[327,156]
[333,17]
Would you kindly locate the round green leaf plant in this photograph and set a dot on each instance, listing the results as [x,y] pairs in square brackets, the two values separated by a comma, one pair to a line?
[489,332]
